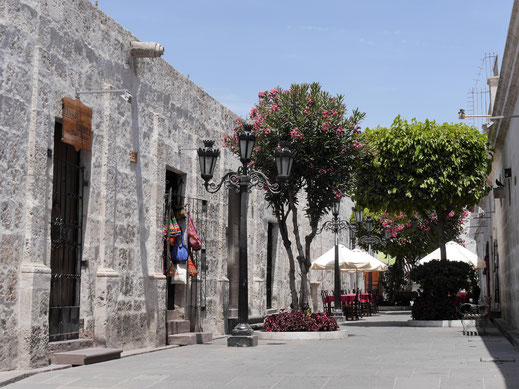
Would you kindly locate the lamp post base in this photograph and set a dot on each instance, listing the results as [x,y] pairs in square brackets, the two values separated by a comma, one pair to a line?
[338,316]
[242,341]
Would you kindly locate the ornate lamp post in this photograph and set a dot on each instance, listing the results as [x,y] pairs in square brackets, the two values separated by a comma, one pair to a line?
[335,225]
[242,181]
[369,239]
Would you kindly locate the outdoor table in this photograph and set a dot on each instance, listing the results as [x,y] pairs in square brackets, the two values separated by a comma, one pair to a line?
[461,298]
[345,298]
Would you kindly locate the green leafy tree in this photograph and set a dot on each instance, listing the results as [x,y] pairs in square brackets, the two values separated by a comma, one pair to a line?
[426,168]
[324,138]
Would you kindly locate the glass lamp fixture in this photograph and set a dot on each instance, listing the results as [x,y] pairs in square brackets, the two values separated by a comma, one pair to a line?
[369,224]
[336,208]
[207,157]
[284,159]
[359,214]
[246,141]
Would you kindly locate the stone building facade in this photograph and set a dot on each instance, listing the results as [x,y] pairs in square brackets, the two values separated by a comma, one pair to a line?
[86,227]
[495,224]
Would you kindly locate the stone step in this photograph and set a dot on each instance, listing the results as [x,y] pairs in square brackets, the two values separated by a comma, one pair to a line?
[175,314]
[67,345]
[87,356]
[189,338]
[185,339]
[178,327]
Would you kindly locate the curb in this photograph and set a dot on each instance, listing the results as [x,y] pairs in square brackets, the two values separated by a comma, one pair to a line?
[510,333]
[11,376]
[436,323]
[307,335]
[393,308]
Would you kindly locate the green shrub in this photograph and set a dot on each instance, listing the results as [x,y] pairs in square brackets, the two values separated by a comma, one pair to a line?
[439,282]
[429,308]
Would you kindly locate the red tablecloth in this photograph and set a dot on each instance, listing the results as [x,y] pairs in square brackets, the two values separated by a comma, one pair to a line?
[461,298]
[347,298]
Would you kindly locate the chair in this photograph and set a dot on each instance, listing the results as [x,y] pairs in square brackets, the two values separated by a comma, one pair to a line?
[348,311]
[374,303]
[474,317]
[326,307]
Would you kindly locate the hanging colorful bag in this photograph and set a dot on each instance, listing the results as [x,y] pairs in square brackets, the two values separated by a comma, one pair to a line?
[180,274]
[191,268]
[174,230]
[171,270]
[180,250]
[192,236]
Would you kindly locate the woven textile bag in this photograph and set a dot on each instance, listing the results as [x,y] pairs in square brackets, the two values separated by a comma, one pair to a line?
[191,268]
[192,236]
[174,230]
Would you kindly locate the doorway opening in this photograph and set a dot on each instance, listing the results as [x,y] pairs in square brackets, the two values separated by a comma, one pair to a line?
[272,238]
[66,240]
[173,208]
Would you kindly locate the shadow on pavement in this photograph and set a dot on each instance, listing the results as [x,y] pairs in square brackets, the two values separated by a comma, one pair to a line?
[504,356]
[362,323]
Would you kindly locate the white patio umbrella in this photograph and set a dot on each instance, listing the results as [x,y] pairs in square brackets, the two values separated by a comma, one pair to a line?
[455,252]
[360,260]
[327,260]
[350,261]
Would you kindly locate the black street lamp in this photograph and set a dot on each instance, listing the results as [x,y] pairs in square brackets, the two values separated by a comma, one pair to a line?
[243,180]
[336,225]
[369,239]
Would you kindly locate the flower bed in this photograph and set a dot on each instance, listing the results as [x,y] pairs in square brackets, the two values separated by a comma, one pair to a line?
[299,321]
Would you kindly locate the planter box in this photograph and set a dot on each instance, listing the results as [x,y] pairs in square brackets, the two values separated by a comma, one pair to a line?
[439,323]
[306,335]
[392,308]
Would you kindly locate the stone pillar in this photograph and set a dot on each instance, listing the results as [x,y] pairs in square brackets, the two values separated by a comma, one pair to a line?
[35,274]
[107,285]
[224,303]
[107,279]
[314,297]
[156,286]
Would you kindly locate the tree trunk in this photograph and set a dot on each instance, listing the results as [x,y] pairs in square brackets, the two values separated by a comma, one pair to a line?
[440,233]
[302,259]
[283,229]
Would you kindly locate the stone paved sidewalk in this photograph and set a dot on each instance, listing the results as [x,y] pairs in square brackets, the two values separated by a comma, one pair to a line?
[381,352]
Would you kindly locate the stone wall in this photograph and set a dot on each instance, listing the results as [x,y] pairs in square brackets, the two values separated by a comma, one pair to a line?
[48,50]
[501,232]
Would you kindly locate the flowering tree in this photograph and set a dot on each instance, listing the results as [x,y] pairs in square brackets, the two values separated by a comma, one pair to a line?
[429,169]
[324,138]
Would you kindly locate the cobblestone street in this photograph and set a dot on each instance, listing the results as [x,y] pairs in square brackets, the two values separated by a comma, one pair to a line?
[380,352]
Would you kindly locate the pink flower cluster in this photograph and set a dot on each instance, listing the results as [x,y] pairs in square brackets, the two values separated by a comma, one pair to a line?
[326,126]
[295,134]
[356,144]
[338,193]
[326,171]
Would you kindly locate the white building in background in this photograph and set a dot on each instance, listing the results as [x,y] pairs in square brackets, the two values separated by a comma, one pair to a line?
[497,217]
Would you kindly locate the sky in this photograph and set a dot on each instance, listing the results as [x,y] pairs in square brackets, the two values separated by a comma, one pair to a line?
[413,58]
